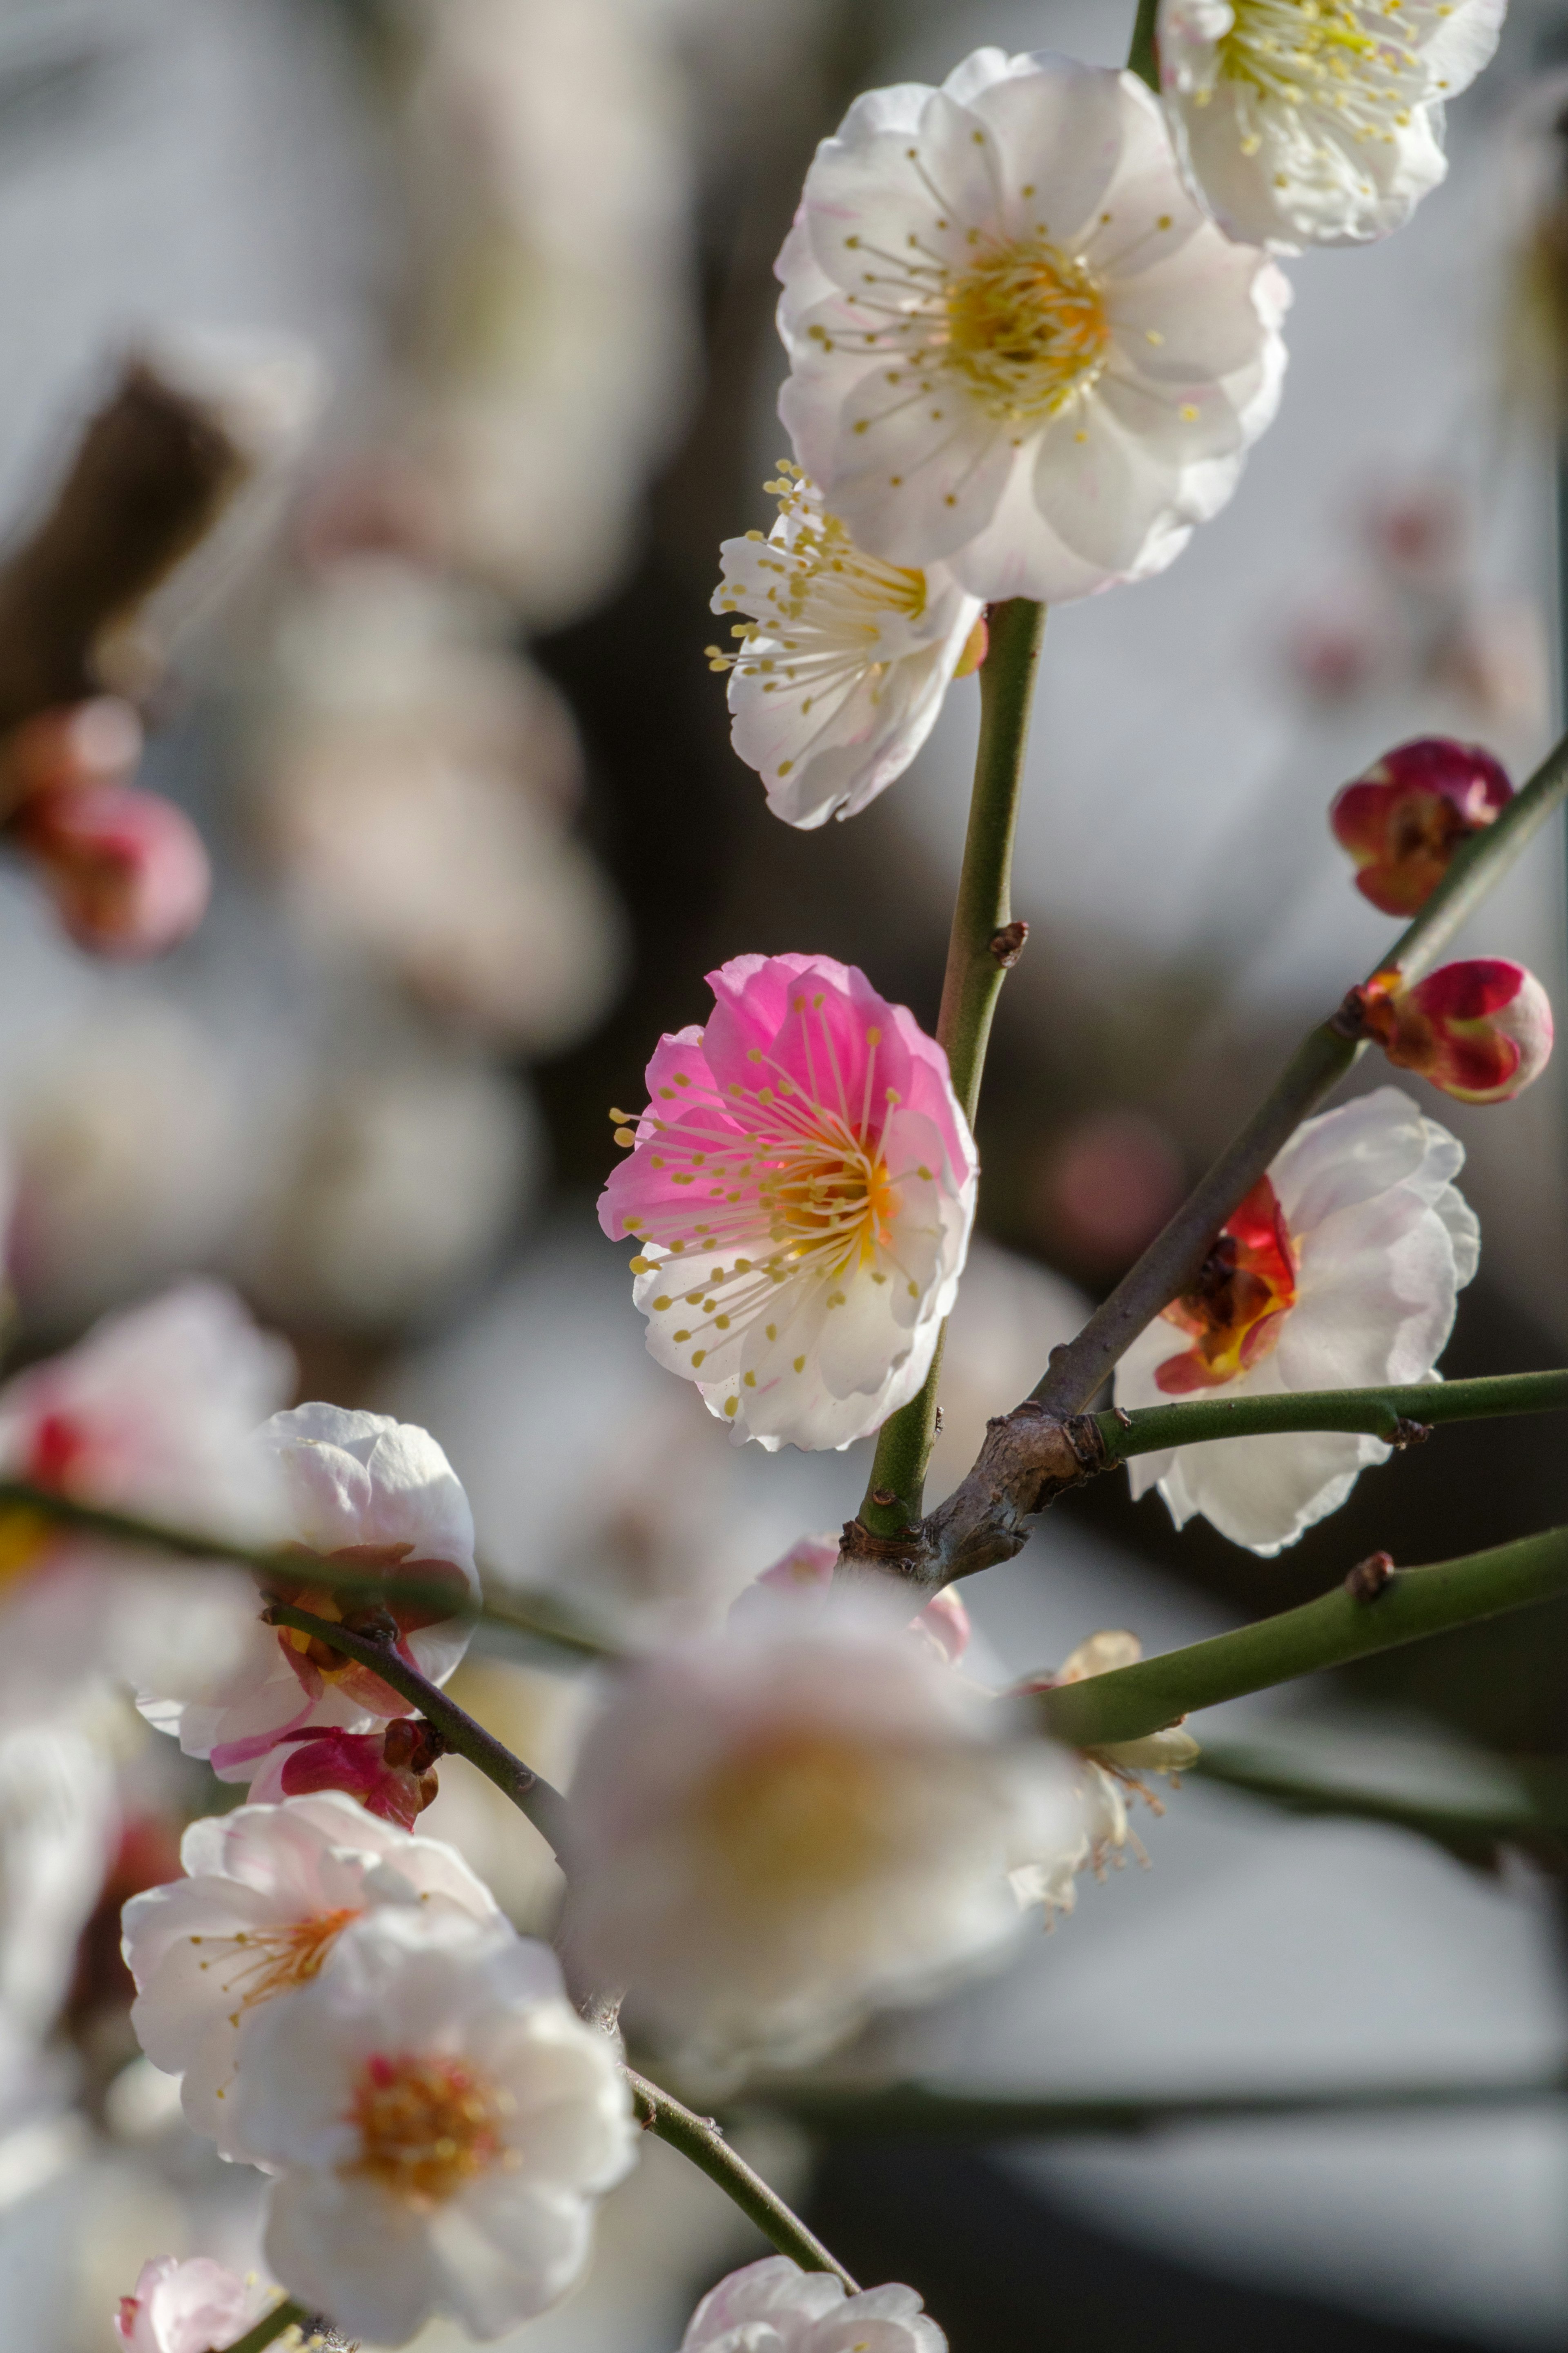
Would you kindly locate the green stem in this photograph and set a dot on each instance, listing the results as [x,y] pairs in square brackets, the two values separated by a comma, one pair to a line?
[1143,57]
[699,2139]
[1513,1799]
[978,960]
[1131,1702]
[281,2317]
[544,1806]
[1385,1413]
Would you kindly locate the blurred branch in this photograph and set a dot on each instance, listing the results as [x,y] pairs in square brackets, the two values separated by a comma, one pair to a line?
[701,2139]
[1510,1799]
[1143,56]
[269,2327]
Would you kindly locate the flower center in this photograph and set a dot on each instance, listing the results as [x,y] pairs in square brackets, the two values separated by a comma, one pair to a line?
[1025,330]
[796,1815]
[1237,1306]
[1314,53]
[275,1961]
[426,2126]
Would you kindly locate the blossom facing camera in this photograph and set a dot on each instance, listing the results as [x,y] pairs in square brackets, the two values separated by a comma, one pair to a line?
[1317,121]
[443,2123]
[269,1891]
[776,2305]
[127,870]
[1480,1030]
[842,660]
[801,1194]
[188,2307]
[1341,1270]
[1016,347]
[1404,820]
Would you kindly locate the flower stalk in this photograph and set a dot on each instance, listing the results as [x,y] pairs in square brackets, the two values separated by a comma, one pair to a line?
[699,2139]
[269,2329]
[1395,1414]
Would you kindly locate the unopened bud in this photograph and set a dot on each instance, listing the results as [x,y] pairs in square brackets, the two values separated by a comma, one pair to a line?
[127,870]
[1480,1030]
[392,1774]
[1404,819]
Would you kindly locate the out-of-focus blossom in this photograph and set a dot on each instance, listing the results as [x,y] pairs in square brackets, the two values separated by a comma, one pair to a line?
[1009,1314]
[1106,1186]
[443,2122]
[391,1773]
[188,2307]
[59,1825]
[419,781]
[1302,123]
[843,662]
[364,1493]
[268,1892]
[1404,820]
[1479,1030]
[801,1195]
[1341,1270]
[772,2306]
[807,1569]
[128,870]
[1014,341]
[783,1827]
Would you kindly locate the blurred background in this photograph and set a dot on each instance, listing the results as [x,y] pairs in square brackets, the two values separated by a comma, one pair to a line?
[438,704]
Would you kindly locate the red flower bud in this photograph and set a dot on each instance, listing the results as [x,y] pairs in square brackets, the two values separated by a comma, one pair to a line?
[127,870]
[1480,1030]
[1403,821]
[392,1774]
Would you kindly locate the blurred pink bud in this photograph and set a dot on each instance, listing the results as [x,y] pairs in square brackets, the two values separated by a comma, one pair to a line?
[1404,820]
[391,1773]
[127,870]
[807,1567]
[1480,1030]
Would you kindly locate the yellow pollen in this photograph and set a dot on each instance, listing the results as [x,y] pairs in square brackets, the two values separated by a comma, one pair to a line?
[795,1816]
[1026,328]
[426,2126]
[269,1961]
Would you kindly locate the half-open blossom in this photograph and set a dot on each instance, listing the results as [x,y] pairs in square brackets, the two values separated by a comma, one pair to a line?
[807,1569]
[781,1827]
[377,1499]
[127,870]
[269,1891]
[844,660]
[1480,1030]
[801,1196]
[188,2307]
[1404,820]
[1317,121]
[1341,1270]
[1016,344]
[443,2122]
[772,2306]
[391,1773]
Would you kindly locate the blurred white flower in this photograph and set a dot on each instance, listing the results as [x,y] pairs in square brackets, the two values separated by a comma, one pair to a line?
[269,1891]
[843,662]
[1341,1270]
[806,1570]
[368,1494]
[781,1827]
[442,2121]
[1009,1316]
[59,1825]
[1317,121]
[772,2306]
[1014,341]
[188,2307]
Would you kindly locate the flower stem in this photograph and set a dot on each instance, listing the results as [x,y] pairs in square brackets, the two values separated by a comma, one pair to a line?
[979,957]
[1131,1702]
[701,2139]
[544,1806]
[1388,1413]
[269,2329]
[1143,56]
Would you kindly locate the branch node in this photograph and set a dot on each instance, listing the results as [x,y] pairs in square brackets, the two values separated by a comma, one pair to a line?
[1370,1577]
[1349,1019]
[884,1498]
[1007,944]
[1409,1433]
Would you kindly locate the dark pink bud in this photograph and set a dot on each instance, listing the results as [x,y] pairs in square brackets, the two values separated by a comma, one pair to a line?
[392,1774]
[1403,821]
[127,870]
[1480,1030]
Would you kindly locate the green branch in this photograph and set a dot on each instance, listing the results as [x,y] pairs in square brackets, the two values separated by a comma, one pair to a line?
[1385,1413]
[1481,1802]
[1131,1702]
[1143,57]
[699,2139]
[268,2330]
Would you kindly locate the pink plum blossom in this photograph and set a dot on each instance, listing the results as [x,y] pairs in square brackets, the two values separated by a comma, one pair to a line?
[1479,1030]
[807,1568]
[127,870]
[772,2306]
[801,1195]
[188,2307]
[1404,820]
[391,1773]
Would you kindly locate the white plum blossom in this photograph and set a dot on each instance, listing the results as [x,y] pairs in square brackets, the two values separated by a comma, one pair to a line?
[369,1495]
[1317,121]
[188,2307]
[442,2122]
[843,660]
[1341,1270]
[778,1828]
[772,2306]
[1016,345]
[806,1570]
[268,1892]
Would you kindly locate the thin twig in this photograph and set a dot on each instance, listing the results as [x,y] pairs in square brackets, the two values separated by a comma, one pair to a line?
[269,2329]
[701,2139]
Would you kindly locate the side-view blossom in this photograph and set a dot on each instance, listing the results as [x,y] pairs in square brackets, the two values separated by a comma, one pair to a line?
[365,1494]
[1404,820]
[442,2121]
[806,1569]
[391,1773]
[1479,1030]
[1317,121]
[1016,344]
[783,1826]
[127,872]
[772,2306]
[801,1195]
[268,1891]
[842,660]
[1341,1270]
[188,2307]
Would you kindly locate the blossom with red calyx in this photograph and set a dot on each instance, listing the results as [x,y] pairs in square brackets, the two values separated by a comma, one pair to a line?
[1480,1030]
[127,870]
[391,1773]
[1248,1283]
[1404,820]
